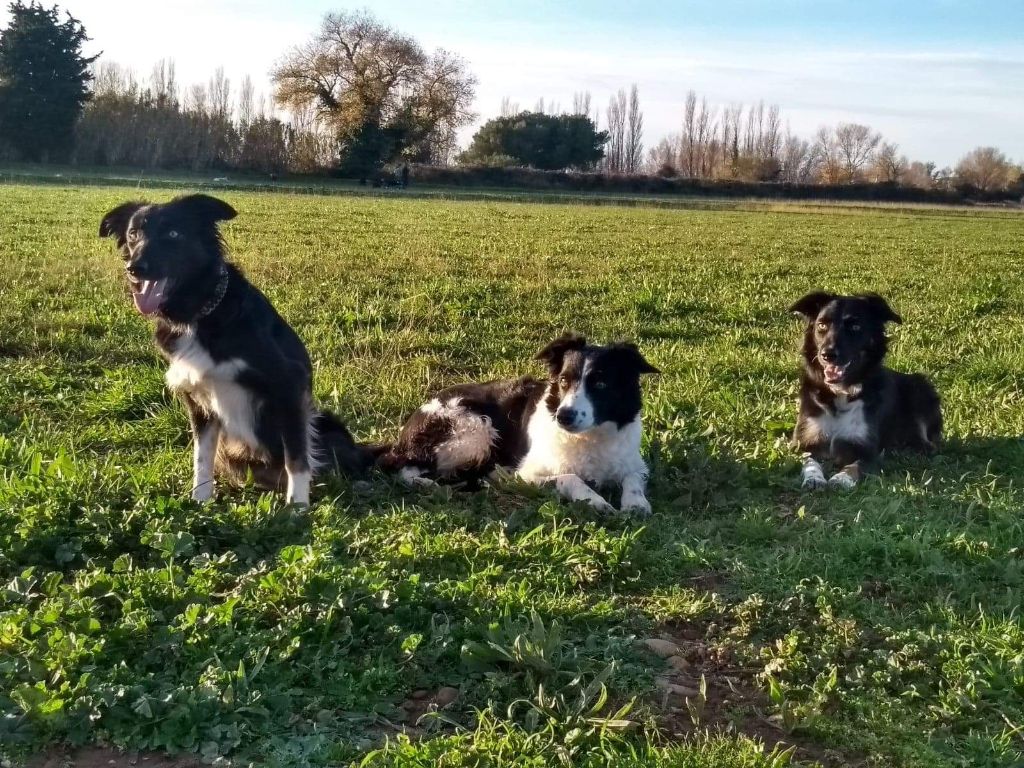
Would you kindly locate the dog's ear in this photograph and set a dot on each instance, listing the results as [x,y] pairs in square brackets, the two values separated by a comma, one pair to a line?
[630,358]
[205,208]
[811,304]
[880,308]
[554,353]
[115,223]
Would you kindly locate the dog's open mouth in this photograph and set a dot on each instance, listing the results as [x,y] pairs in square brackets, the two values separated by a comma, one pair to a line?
[834,374]
[149,294]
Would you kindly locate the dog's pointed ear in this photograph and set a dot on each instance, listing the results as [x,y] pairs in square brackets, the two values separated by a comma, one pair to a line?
[554,353]
[881,309]
[115,222]
[629,356]
[205,208]
[810,305]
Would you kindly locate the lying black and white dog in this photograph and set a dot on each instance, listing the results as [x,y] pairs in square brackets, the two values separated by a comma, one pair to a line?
[851,406]
[240,369]
[581,428]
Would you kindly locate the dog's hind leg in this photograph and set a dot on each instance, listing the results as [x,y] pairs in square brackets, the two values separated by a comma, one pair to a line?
[298,458]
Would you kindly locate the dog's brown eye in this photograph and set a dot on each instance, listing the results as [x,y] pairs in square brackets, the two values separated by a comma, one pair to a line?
[822,326]
[173,234]
[855,327]
[133,234]
[598,384]
[563,380]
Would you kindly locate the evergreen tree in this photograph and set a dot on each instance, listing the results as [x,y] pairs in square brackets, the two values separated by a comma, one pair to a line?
[44,80]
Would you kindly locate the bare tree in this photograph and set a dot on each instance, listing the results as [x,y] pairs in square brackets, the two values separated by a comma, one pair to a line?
[663,158]
[752,131]
[163,84]
[509,108]
[615,151]
[888,165]
[706,129]
[364,78]
[827,158]
[986,168]
[220,95]
[581,103]
[796,160]
[688,145]
[633,148]
[245,104]
[855,144]
[920,175]
[771,134]
[197,100]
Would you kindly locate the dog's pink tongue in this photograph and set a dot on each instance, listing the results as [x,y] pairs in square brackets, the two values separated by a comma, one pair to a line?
[833,372]
[150,296]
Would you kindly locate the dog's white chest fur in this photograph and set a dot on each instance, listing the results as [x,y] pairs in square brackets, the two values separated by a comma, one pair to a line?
[214,387]
[847,423]
[600,455]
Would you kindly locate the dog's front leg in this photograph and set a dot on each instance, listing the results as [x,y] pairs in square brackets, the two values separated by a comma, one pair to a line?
[205,436]
[573,488]
[847,477]
[812,474]
[634,499]
[852,457]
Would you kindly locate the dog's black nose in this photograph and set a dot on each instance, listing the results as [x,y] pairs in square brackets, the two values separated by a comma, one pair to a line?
[137,268]
[828,354]
[566,417]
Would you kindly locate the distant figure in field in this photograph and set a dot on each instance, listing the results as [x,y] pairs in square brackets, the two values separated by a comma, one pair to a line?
[405,175]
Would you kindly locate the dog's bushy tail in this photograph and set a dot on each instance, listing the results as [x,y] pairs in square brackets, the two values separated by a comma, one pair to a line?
[338,449]
[388,458]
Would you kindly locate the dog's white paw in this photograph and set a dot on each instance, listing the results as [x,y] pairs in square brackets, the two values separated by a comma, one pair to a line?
[601,505]
[203,493]
[813,482]
[638,506]
[415,477]
[842,480]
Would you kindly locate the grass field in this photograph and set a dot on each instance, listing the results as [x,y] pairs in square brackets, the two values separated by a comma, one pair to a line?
[879,627]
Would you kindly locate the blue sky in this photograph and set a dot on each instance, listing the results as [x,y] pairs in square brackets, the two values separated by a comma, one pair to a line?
[937,76]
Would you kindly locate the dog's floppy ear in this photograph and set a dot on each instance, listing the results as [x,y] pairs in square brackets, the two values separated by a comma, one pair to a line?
[554,353]
[881,309]
[205,208]
[811,304]
[115,223]
[627,355]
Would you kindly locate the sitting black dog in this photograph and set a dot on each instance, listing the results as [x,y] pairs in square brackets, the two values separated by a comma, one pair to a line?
[242,372]
[851,406]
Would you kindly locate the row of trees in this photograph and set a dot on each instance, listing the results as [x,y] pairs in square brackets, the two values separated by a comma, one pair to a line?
[749,144]
[156,124]
[359,94]
[735,143]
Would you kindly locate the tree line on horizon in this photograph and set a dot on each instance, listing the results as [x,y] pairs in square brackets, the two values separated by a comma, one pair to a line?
[359,96]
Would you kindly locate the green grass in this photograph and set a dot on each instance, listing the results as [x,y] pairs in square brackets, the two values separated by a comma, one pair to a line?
[880,626]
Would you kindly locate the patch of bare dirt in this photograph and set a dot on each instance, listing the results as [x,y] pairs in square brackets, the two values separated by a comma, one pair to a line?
[732,701]
[103,757]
